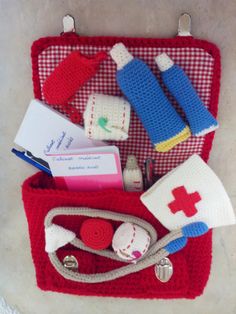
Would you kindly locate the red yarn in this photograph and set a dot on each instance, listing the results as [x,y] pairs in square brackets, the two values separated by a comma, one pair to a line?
[191,265]
[184,201]
[72,39]
[70,75]
[96,233]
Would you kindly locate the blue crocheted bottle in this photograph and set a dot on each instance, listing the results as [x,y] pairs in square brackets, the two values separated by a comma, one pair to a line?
[164,126]
[200,119]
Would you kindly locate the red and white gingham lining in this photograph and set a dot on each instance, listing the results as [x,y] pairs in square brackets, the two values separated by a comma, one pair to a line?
[196,62]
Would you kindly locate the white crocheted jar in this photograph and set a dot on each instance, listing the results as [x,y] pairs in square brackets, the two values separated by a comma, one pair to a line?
[130,242]
[107,118]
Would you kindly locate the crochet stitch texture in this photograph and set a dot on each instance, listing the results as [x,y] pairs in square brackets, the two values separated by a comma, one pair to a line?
[96,233]
[201,121]
[107,117]
[199,195]
[164,126]
[192,264]
[41,195]
[70,75]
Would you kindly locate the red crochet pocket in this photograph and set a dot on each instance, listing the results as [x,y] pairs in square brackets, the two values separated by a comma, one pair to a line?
[201,61]
[191,265]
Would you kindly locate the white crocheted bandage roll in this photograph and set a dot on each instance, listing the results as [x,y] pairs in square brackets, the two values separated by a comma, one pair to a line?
[130,242]
[107,118]
[189,193]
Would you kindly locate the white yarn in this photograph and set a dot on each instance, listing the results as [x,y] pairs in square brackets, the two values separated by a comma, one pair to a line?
[117,112]
[120,55]
[56,237]
[133,180]
[132,175]
[5,308]
[208,130]
[195,175]
[130,238]
[164,62]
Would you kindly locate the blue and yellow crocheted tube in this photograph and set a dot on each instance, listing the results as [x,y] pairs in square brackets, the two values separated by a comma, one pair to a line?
[165,127]
[200,120]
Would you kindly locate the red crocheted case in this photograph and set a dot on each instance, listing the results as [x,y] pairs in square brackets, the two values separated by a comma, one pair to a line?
[201,61]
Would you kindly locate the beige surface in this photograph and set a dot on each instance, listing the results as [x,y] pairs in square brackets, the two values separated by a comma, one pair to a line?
[21,22]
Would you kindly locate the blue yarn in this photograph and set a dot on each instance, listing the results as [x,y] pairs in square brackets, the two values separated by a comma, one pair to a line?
[181,88]
[143,91]
[194,229]
[176,245]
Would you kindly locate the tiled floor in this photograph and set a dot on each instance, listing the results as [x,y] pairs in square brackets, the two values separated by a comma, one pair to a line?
[21,22]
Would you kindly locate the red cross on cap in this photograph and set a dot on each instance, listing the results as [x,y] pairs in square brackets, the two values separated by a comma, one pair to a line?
[184,201]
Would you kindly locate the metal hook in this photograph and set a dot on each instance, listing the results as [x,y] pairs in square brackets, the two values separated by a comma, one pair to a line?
[184,28]
[68,24]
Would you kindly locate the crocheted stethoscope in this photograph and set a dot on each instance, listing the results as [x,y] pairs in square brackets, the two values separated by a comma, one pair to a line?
[169,244]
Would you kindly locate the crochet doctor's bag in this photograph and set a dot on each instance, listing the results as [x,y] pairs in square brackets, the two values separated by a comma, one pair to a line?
[201,61]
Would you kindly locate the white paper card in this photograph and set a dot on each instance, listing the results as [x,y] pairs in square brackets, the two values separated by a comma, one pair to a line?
[89,169]
[83,165]
[44,130]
